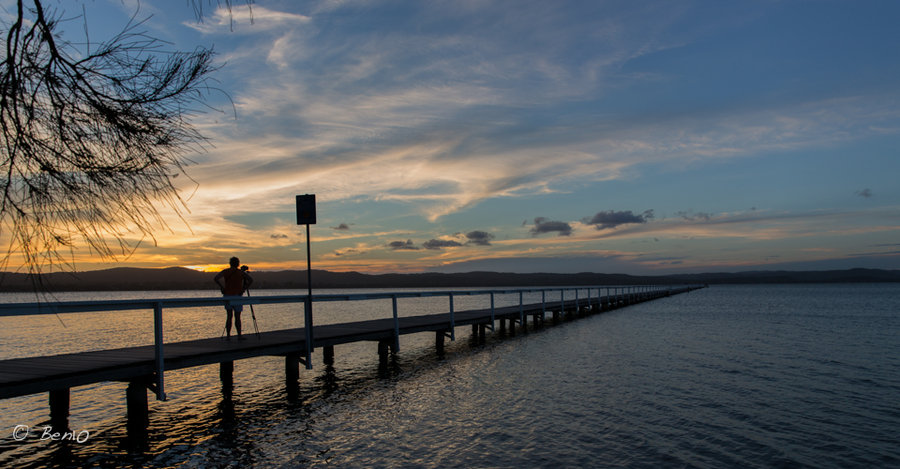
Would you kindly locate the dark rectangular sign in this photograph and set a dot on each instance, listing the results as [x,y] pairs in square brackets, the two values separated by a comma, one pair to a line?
[306,209]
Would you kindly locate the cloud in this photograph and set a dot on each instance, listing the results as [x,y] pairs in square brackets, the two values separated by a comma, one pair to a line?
[696,216]
[405,116]
[479,238]
[341,227]
[256,19]
[612,219]
[341,254]
[865,193]
[437,244]
[403,245]
[542,225]
[279,236]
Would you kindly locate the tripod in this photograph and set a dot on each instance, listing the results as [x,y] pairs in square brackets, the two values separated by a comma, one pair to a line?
[253,315]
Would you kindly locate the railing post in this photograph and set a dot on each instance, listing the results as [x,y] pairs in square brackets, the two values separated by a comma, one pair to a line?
[158,348]
[492,310]
[577,306]
[543,301]
[396,325]
[562,302]
[307,325]
[521,310]
[452,320]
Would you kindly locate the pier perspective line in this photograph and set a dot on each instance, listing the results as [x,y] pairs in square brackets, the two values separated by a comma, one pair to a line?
[143,367]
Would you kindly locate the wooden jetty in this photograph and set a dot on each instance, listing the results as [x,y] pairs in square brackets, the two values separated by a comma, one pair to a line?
[142,367]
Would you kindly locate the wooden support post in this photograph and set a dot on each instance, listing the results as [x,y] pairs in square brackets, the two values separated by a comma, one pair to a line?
[226,373]
[138,415]
[502,326]
[482,333]
[291,368]
[383,345]
[328,355]
[292,375]
[439,342]
[555,316]
[59,409]
[475,330]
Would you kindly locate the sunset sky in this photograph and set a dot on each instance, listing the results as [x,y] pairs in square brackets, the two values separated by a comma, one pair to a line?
[639,137]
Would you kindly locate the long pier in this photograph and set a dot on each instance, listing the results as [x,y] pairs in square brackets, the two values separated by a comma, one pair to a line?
[143,367]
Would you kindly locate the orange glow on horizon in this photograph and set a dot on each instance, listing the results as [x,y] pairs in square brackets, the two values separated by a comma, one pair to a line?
[204,268]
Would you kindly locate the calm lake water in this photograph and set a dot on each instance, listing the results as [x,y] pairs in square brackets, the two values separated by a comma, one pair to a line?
[729,376]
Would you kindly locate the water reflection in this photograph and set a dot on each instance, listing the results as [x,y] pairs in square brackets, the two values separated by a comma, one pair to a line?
[390,368]
[328,381]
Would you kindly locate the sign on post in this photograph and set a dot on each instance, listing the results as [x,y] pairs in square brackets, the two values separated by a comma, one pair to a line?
[306,209]
[306,215]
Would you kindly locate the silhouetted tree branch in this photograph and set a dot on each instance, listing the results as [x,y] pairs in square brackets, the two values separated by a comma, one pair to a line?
[91,137]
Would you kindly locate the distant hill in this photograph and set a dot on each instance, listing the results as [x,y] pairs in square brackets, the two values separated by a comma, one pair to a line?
[178,278]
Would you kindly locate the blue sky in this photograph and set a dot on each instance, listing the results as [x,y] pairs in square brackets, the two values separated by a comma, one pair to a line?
[610,136]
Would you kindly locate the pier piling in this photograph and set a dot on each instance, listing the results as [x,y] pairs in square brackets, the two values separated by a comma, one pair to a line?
[138,414]
[383,346]
[328,355]
[226,373]
[59,409]
[439,342]
[291,368]
[292,376]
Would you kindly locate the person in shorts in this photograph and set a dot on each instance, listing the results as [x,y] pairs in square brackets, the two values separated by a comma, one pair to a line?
[233,281]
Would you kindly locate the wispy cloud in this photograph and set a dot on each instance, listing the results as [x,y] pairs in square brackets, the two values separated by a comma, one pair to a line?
[245,19]
[446,118]
[409,121]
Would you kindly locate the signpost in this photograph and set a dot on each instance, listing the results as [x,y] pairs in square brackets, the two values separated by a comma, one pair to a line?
[306,215]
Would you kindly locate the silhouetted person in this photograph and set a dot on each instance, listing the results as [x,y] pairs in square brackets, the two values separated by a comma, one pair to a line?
[236,281]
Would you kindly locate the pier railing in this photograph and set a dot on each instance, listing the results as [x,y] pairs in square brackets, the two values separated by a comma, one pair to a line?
[616,294]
